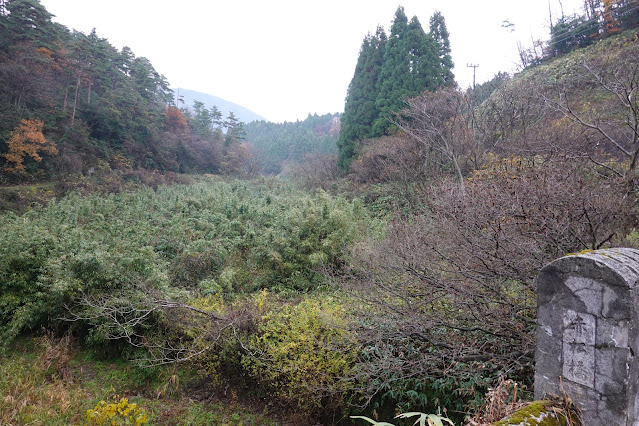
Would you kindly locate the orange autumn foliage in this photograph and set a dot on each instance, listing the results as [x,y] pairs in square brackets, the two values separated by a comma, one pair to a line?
[174,120]
[611,23]
[27,139]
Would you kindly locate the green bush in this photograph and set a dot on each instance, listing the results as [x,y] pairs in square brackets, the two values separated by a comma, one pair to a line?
[303,355]
[174,243]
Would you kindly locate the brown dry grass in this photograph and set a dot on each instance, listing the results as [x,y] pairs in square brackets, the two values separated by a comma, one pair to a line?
[501,401]
[26,389]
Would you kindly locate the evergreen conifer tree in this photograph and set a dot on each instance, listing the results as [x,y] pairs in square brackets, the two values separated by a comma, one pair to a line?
[411,65]
[390,70]
[27,21]
[360,110]
[234,130]
[423,63]
[439,33]
[202,120]
[395,68]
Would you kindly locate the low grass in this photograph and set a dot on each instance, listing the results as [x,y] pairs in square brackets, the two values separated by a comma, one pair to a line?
[47,381]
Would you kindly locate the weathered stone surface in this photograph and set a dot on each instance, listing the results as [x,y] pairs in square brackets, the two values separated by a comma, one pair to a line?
[588,334]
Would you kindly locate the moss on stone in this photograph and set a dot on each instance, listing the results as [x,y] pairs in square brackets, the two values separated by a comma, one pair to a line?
[536,413]
[585,251]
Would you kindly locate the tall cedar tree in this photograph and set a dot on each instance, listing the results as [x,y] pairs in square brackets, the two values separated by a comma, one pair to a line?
[411,61]
[439,33]
[423,65]
[360,110]
[390,84]
[411,65]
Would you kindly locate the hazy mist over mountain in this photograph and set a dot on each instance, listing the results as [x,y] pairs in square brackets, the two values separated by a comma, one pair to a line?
[189,96]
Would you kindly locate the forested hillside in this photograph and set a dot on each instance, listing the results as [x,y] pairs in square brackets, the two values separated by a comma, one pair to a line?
[71,103]
[276,144]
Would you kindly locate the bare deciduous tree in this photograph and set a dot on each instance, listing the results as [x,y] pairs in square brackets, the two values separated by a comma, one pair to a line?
[450,293]
[441,122]
[315,171]
[610,112]
[167,331]
[509,120]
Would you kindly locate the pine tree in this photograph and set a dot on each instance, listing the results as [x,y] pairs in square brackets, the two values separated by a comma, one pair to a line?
[216,117]
[360,110]
[27,21]
[234,130]
[202,120]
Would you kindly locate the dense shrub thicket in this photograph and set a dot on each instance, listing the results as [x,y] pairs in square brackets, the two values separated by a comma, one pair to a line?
[450,294]
[80,255]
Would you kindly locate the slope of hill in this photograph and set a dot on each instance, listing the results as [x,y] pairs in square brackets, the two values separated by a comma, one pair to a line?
[71,104]
[583,104]
[277,143]
[243,114]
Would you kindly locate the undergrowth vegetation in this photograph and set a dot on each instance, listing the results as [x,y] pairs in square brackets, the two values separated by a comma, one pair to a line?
[307,302]
[231,277]
[169,244]
[45,380]
[310,351]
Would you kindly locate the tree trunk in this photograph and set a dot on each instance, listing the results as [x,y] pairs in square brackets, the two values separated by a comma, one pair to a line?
[75,100]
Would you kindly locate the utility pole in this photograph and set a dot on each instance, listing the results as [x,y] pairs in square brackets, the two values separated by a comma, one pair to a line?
[474,67]
[178,98]
[473,99]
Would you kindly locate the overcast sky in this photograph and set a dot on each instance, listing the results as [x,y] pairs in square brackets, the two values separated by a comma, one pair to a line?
[284,59]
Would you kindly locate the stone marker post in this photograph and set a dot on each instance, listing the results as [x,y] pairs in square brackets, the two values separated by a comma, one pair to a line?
[588,334]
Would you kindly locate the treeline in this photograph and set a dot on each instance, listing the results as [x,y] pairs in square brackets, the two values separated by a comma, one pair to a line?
[276,144]
[71,103]
[388,70]
[599,19]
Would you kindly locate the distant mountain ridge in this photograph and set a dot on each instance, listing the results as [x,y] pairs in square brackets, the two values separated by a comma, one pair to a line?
[242,113]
